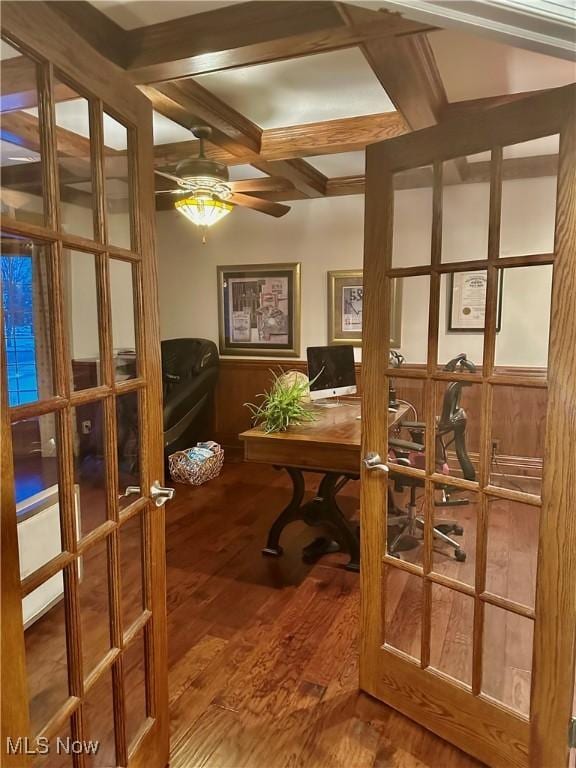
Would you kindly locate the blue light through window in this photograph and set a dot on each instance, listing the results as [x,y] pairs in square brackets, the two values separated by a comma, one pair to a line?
[18,307]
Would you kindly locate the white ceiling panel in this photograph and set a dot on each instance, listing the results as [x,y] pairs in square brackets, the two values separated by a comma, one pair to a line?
[343,164]
[241,172]
[131,14]
[166,131]
[547,145]
[474,67]
[13,154]
[7,52]
[309,89]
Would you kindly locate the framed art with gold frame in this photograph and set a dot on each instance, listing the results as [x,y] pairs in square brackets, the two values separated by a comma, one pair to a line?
[345,298]
[259,309]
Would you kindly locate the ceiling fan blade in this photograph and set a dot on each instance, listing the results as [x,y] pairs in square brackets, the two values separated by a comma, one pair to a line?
[168,176]
[264,184]
[169,191]
[257,204]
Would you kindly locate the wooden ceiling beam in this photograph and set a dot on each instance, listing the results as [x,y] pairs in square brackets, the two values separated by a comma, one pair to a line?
[242,34]
[349,134]
[457,109]
[250,33]
[479,172]
[406,69]
[304,177]
[188,103]
[103,34]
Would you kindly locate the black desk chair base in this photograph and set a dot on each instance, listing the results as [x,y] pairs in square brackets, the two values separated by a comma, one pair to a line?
[409,522]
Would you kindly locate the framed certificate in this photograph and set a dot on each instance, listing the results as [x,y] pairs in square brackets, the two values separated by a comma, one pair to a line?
[467,301]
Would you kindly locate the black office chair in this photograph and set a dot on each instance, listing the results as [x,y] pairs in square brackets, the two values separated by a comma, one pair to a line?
[450,430]
[189,376]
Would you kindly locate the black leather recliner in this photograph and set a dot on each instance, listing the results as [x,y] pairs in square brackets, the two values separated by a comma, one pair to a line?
[189,376]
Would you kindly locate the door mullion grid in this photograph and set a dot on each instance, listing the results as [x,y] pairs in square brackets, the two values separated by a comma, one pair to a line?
[60,358]
[97,168]
[146,532]
[430,408]
[116,631]
[112,494]
[145,470]
[134,187]
[486,410]
[49,146]
[114,576]
[68,512]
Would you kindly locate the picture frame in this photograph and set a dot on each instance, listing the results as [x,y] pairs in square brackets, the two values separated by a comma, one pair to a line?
[345,298]
[259,309]
[467,301]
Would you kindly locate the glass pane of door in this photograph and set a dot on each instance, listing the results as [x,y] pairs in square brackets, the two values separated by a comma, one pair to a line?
[466,437]
[26,285]
[21,147]
[72,313]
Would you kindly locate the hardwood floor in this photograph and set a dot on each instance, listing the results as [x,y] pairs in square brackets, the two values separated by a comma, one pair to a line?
[263,666]
[263,652]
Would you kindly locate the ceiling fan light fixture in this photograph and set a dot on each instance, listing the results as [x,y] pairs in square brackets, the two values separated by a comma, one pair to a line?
[207,187]
[203,210]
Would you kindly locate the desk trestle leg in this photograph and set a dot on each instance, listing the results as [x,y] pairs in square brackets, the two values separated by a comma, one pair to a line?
[321,511]
[289,515]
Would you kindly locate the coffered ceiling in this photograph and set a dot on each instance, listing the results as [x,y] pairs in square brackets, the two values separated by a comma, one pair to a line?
[132,14]
[293,90]
[309,89]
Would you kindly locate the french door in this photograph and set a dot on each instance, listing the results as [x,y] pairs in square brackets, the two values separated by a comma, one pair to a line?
[475,639]
[84,664]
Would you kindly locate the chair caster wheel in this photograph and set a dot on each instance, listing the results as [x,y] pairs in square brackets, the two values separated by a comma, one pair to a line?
[460,555]
[458,530]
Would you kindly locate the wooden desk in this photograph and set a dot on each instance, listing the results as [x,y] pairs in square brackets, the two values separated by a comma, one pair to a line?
[329,446]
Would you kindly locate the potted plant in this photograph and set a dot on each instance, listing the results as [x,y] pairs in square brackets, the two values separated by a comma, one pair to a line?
[286,403]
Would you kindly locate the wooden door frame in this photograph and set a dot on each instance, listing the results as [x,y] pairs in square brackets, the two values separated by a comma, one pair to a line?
[38,29]
[555,609]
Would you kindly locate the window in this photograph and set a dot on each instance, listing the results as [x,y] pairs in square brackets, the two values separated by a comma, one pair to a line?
[18,307]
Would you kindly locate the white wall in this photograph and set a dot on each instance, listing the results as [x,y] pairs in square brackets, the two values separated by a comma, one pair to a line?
[327,234]
[321,234]
[84,308]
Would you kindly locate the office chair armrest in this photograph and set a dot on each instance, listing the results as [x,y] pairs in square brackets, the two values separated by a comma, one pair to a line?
[405,445]
[413,424]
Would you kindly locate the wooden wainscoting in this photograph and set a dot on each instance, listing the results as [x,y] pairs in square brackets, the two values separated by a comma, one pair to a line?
[519,412]
[240,381]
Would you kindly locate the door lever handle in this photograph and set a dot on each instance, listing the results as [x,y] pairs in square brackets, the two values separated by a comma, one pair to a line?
[131,490]
[160,494]
[373,461]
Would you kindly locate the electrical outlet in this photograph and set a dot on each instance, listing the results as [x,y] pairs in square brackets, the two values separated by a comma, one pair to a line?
[86,427]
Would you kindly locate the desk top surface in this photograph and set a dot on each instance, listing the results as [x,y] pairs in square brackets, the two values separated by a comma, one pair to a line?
[335,426]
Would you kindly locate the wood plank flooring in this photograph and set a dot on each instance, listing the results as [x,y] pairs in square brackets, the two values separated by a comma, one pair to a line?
[263,652]
[263,664]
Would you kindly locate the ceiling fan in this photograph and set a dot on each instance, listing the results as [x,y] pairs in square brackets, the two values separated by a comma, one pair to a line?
[206,194]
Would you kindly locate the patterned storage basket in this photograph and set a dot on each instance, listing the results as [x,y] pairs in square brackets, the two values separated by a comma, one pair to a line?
[194,472]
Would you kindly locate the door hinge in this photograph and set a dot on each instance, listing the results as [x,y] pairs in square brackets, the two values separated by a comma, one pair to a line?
[572,733]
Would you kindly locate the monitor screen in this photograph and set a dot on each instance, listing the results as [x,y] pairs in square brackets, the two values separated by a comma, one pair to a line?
[333,369]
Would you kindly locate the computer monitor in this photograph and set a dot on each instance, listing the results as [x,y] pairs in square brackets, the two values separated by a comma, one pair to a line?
[331,371]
